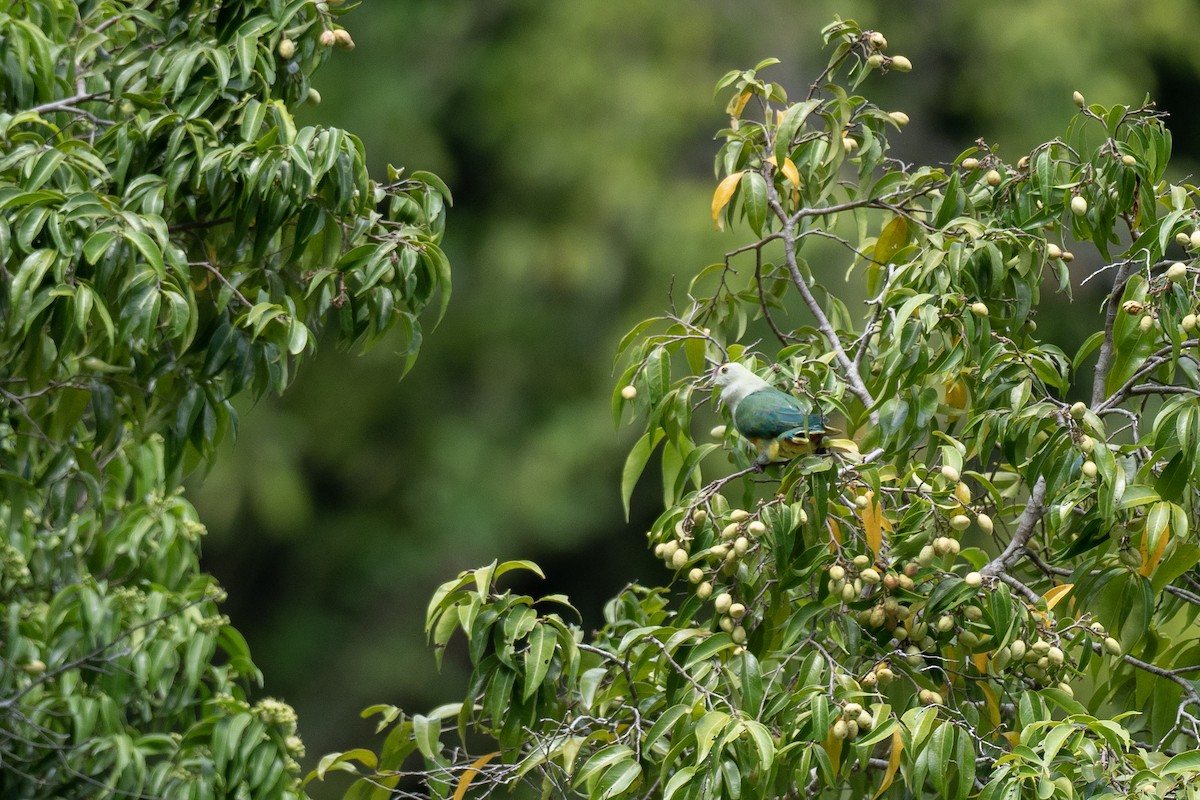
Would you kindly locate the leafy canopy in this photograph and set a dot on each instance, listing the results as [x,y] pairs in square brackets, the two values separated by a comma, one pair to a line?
[986,589]
[170,238]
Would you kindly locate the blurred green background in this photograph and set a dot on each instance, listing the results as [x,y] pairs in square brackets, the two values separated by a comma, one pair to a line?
[577,138]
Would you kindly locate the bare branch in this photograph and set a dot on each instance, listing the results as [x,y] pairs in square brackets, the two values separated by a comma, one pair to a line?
[1104,362]
[1029,594]
[1034,509]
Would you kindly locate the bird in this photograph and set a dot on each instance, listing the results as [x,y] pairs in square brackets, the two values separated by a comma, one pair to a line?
[775,422]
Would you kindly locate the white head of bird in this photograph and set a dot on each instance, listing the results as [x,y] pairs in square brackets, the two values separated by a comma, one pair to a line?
[737,383]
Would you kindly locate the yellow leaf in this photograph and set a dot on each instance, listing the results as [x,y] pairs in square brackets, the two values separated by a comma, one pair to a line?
[836,530]
[738,103]
[893,236]
[893,762]
[981,661]
[725,190]
[790,172]
[833,747]
[1056,593]
[871,524]
[956,394]
[1150,560]
[469,774]
[993,705]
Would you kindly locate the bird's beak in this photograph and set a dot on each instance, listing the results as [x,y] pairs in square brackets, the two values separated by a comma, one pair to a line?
[710,380]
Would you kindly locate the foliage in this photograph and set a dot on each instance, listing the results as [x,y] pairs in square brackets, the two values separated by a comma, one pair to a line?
[170,239]
[990,595]
[577,138]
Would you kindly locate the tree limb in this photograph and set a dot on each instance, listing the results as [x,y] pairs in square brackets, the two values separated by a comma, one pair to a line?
[1035,508]
[1104,362]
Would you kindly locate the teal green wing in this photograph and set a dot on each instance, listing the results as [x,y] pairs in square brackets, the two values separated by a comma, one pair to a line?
[772,413]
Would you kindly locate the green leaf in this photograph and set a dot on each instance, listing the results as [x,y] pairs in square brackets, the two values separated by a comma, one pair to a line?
[426,732]
[340,761]
[1131,347]
[678,781]
[790,124]
[663,724]
[763,742]
[714,644]
[589,682]
[635,463]
[149,249]
[1183,762]
[537,657]
[97,245]
[1137,495]
[603,759]
[754,201]
[708,730]
[620,777]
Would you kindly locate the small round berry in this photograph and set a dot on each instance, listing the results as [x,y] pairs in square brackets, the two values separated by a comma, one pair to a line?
[723,602]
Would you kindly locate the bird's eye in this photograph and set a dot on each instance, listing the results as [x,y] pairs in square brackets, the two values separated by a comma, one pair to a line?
[724,369]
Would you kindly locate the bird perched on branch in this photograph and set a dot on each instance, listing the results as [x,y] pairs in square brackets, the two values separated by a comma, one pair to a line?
[775,422]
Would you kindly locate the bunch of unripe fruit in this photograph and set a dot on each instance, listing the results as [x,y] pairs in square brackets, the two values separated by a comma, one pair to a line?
[1177,272]
[853,720]
[848,581]
[736,534]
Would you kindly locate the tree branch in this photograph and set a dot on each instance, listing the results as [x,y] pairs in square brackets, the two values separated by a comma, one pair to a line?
[1104,362]
[1152,362]
[853,380]
[1034,509]
[1029,594]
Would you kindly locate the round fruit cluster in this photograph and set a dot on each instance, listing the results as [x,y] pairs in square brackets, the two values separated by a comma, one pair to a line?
[853,720]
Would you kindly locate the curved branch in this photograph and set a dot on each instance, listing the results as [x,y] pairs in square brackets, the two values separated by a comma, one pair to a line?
[853,380]
[1035,508]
